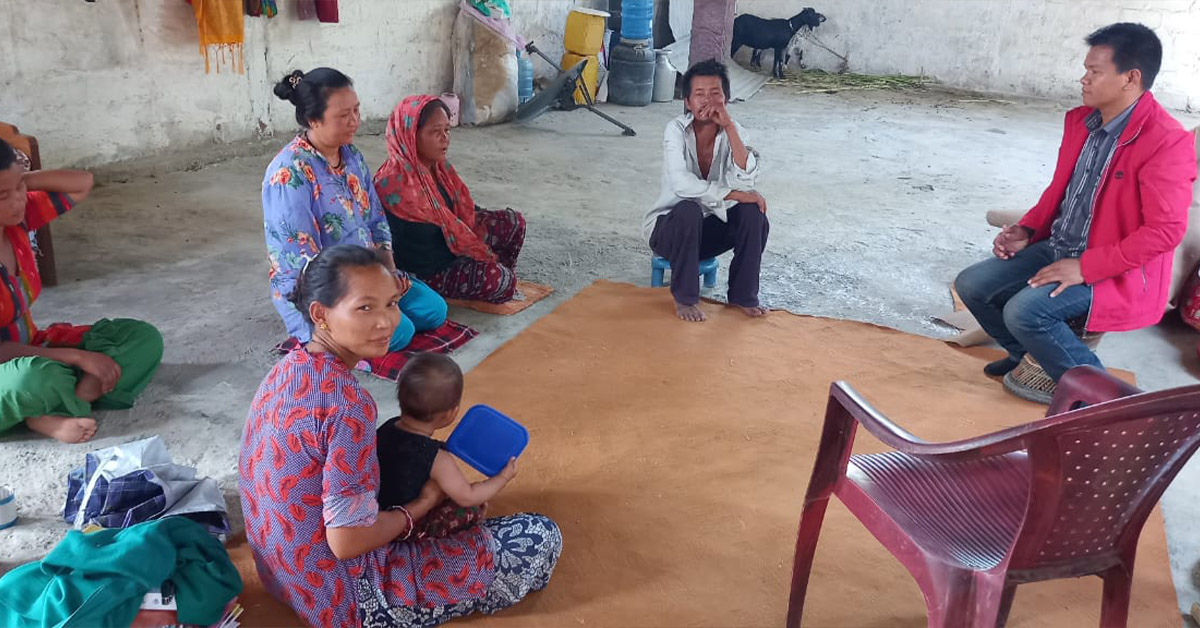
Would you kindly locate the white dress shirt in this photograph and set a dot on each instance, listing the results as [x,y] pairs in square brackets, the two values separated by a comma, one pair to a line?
[681,178]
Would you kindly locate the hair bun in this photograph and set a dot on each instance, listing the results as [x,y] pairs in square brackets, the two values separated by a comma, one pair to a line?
[285,89]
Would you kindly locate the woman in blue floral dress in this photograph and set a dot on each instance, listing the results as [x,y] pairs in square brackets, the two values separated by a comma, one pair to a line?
[317,192]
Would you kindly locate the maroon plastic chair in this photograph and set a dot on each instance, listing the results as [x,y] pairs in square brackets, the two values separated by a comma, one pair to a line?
[1062,497]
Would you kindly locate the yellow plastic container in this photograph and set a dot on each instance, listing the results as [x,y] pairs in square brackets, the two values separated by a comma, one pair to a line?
[591,73]
[585,31]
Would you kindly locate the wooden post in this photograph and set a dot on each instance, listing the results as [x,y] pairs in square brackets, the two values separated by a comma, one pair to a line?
[712,30]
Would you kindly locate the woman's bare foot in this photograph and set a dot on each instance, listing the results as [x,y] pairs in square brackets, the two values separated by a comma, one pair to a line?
[690,313]
[753,312]
[64,428]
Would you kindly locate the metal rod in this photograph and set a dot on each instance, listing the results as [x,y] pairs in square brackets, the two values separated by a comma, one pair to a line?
[587,93]
[627,129]
[591,105]
[534,49]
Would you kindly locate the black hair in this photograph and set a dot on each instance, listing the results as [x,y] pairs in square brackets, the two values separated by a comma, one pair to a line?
[709,67]
[429,108]
[1133,46]
[8,156]
[322,280]
[429,384]
[309,91]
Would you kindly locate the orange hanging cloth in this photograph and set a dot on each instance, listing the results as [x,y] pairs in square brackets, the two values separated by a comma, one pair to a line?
[221,32]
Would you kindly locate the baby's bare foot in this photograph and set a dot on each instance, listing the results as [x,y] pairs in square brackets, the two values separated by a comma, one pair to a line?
[67,429]
[689,313]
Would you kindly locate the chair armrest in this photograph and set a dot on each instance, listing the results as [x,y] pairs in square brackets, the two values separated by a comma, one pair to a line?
[1087,385]
[896,437]
[873,420]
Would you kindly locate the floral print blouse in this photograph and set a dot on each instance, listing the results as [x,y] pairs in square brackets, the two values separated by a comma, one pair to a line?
[307,206]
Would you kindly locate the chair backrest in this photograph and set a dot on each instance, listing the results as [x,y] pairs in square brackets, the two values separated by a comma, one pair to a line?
[24,143]
[1097,473]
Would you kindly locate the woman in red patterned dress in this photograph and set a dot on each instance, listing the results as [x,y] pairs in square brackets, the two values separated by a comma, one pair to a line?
[309,475]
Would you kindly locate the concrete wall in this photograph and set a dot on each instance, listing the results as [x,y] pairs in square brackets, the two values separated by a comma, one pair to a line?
[118,79]
[1030,47]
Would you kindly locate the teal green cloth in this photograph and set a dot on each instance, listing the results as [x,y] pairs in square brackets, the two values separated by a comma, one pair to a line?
[99,579]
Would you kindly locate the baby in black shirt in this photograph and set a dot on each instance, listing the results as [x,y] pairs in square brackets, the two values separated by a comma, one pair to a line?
[430,391]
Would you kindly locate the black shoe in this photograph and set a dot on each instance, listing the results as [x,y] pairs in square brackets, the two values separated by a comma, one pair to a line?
[1000,367]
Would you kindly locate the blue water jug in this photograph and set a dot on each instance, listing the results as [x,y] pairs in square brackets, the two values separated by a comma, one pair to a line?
[524,78]
[637,20]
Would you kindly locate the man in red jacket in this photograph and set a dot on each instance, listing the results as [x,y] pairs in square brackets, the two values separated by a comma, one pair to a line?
[1095,251]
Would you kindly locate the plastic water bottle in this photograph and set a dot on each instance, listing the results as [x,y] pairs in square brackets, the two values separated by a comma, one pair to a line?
[524,78]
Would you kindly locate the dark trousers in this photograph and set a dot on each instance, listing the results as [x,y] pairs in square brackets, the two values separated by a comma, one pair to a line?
[685,236]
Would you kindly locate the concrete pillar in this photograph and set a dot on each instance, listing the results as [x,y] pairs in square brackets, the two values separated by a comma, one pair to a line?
[712,29]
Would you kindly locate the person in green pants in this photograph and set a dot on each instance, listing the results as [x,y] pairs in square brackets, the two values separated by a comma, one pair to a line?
[51,379]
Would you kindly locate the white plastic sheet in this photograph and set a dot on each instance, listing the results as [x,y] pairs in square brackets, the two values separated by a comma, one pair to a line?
[485,67]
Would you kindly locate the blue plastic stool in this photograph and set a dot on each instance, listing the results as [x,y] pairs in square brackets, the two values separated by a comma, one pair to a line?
[658,266]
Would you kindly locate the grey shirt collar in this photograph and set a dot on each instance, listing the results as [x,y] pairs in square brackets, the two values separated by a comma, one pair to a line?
[1116,125]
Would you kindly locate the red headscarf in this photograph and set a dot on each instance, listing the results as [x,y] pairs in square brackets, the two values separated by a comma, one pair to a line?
[409,190]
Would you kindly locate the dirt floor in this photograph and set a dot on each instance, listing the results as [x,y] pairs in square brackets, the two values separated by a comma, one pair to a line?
[877,199]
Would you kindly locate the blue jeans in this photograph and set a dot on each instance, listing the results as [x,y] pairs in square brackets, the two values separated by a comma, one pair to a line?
[1026,319]
[421,309]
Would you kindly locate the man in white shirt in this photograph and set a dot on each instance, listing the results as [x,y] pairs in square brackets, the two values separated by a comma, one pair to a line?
[708,204]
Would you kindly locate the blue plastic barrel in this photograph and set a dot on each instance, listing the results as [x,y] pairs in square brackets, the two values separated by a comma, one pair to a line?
[637,20]
[524,78]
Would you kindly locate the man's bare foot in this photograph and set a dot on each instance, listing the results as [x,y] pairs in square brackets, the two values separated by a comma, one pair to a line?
[753,312]
[689,313]
[64,428]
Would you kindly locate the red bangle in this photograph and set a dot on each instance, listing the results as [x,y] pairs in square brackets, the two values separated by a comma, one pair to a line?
[408,516]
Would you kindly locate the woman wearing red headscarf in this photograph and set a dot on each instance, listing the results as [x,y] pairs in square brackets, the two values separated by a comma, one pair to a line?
[438,233]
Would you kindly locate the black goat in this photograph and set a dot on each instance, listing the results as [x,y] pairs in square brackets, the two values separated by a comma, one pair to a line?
[761,34]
